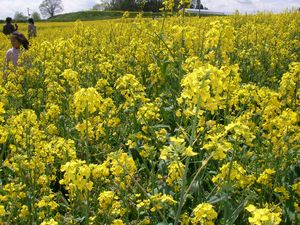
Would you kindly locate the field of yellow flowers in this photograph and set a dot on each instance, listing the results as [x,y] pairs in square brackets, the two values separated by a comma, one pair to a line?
[178,120]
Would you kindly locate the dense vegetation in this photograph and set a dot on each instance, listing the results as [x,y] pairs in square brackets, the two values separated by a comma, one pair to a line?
[139,121]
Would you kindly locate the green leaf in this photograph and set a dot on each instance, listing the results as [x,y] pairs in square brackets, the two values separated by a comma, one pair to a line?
[237,212]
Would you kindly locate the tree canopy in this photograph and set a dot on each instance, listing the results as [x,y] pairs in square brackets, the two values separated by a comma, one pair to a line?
[50,8]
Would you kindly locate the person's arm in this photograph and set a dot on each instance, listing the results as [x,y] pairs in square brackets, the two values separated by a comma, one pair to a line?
[8,57]
[4,30]
[34,31]
[29,30]
[16,27]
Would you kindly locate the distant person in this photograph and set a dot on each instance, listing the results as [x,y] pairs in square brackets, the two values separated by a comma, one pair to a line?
[17,40]
[31,28]
[8,28]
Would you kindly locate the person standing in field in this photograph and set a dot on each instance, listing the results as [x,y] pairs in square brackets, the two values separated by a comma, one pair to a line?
[8,28]
[31,28]
[17,40]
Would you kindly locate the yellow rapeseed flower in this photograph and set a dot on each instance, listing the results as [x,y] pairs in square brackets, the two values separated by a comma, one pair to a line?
[204,214]
[263,216]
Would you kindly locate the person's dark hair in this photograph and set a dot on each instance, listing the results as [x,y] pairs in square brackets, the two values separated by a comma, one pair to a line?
[31,21]
[21,38]
[8,20]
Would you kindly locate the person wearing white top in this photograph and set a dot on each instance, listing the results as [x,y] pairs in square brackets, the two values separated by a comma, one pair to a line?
[17,40]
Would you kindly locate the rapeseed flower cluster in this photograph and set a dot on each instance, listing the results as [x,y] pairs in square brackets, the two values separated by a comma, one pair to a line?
[178,120]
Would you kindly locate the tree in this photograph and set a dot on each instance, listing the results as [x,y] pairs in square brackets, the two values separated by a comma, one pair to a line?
[19,16]
[49,8]
[153,5]
[132,5]
[98,7]
[128,5]
[104,5]
[36,16]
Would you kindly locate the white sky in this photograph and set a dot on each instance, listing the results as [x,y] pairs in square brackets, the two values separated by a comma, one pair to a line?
[9,7]
[251,5]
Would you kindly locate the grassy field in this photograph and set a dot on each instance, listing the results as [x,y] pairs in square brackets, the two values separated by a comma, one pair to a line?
[98,15]
[104,15]
[180,120]
[95,15]
[101,15]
